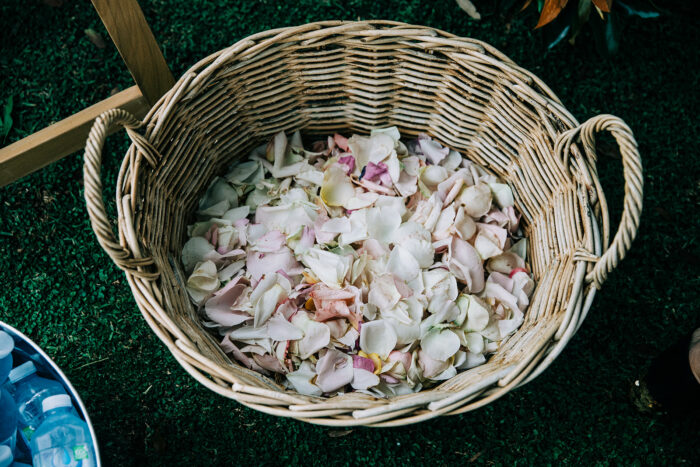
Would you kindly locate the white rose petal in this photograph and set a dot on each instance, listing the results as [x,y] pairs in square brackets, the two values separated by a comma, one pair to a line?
[328,267]
[301,380]
[378,337]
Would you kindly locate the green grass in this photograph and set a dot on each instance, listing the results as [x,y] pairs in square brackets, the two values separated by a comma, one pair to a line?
[58,286]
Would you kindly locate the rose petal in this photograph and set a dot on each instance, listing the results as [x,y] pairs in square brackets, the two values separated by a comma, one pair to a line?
[334,371]
[452,161]
[337,189]
[391,131]
[219,194]
[248,172]
[478,314]
[464,262]
[203,281]
[272,241]
[506,298]
[485,246]
[337,225]
[382,223]
[502,194]
[328,267]
[402,264]
[433,150]
[269,362]
[316,335]
[471,360]
[350,337]
[218,308]
[440,344]
[260,264]
[383,292]
[363,363]
[287,218]
[301,380]
[505,263]
[322,237]
[349,162]
[363,379]
[341,141]
[430,367]
[433,175]
[405,318]
[378,337]
[279,329]
[236,214]
[497,235]
[361,200]
[194,251]
[476,199]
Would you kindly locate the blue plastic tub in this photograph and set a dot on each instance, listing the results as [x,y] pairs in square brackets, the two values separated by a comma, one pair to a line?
[25,350]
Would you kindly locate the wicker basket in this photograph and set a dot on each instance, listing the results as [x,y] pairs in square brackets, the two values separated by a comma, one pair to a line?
[351,77]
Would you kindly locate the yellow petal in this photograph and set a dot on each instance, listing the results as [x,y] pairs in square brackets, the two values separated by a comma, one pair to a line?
[377,362]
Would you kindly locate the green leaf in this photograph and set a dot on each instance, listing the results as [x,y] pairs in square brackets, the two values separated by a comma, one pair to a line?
[631,9]
[606,34]
[583,13]
[6,118]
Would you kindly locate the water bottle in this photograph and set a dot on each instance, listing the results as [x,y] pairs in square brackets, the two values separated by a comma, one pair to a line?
[8,412]
[62,438]
[6,346]
[6,458]
[30,391]
[8,420]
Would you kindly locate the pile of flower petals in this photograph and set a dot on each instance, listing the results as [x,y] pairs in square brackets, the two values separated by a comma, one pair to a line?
[364,264]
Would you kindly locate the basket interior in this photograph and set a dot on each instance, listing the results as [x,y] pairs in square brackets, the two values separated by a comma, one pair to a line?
[471,99]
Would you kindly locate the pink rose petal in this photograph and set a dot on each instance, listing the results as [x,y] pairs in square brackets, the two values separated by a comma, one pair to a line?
[362,362]
[341,141]
[269,362]
[464,262]
[260,264]
[334,371]
[349,162]
[272,241]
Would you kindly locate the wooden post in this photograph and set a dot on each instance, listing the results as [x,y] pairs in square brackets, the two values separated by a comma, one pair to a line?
[129,30]
[65,137]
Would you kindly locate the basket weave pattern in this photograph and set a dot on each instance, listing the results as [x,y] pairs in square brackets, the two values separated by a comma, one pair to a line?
[351,77]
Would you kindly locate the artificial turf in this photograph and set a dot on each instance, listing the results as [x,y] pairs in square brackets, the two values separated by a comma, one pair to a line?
[60,288]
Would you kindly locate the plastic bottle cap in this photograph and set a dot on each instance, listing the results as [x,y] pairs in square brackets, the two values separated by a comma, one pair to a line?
[6,344]
[54,402]
[6,457]
[22,371]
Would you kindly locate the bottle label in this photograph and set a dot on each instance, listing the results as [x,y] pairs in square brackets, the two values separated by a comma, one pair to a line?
[81,452]
[28,432]
[73,456]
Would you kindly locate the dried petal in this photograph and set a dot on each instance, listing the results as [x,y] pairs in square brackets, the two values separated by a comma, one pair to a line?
[328,267]
[433,150]
[334,370]
[363,379]
[316,335]
[502,195]
[301,380]
[440,344]
[378,337]
[279,329]
[464,262]
[476,199]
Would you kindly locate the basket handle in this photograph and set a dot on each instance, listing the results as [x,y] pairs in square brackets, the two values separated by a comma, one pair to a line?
[634,183]
[101,225]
